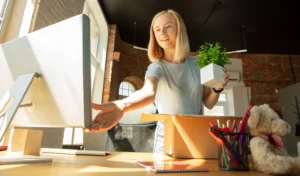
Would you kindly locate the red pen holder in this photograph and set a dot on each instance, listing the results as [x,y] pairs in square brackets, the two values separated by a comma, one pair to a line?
[233,150]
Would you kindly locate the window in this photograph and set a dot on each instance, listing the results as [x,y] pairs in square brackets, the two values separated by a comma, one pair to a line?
[126,88]
[73,136]
[3,11]
[220,109]
[94,37]
[94,32]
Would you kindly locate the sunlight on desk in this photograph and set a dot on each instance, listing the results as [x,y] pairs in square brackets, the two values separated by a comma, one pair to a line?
[115,164]
[5,167]
[108,169]
[136,156]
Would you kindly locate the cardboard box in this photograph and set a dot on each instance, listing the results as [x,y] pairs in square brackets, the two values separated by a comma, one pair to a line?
[186,136]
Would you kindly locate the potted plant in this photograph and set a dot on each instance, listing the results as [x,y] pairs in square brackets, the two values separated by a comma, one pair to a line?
[211,59]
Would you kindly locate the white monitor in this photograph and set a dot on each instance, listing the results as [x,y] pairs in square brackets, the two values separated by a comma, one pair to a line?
[61,96]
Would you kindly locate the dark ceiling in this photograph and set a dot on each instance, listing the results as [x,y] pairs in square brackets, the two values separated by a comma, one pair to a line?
[260,26]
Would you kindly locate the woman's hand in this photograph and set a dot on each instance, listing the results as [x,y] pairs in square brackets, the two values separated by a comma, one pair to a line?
[210,98]
[226,77]
[109,115]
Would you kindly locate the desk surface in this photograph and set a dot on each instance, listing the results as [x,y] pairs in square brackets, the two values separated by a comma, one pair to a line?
[114,164]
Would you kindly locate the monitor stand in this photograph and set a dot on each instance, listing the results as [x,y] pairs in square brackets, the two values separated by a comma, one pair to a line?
[8,107]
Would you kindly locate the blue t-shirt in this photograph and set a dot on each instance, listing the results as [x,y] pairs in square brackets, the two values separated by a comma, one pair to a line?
[179,89]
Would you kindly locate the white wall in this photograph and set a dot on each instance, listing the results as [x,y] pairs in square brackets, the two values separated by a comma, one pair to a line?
[240,103]
[286,97]
[238,95]
[236,66]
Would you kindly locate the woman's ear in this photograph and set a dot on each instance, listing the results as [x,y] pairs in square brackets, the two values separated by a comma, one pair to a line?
[254,117]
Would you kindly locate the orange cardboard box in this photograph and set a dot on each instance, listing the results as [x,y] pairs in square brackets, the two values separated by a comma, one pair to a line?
[186,136]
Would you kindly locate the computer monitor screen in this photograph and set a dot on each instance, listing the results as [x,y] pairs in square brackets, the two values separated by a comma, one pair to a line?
[61,96]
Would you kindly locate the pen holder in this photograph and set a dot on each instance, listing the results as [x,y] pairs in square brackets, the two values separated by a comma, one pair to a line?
[233,150]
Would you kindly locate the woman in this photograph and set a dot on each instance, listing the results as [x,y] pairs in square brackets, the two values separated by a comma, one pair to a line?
[172,81]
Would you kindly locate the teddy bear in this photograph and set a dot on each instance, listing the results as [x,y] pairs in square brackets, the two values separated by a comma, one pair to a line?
[267,149]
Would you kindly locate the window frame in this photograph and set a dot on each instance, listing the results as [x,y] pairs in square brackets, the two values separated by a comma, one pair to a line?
[4,18]
[221,103]
[3,13]
[128,90]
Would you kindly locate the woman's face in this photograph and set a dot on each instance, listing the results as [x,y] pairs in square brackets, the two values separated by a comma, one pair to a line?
[165,30]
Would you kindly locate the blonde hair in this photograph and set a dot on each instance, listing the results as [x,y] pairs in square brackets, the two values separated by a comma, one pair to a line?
[182,48]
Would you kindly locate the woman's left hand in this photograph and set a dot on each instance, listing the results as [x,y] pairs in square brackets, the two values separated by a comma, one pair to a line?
[226,79]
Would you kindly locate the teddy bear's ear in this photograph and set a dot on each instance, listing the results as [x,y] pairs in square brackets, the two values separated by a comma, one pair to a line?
[254,117]
[265,106]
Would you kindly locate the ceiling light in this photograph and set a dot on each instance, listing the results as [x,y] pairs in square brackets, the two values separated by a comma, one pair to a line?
[140,48]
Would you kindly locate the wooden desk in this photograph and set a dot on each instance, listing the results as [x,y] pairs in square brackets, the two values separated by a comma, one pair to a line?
[115,164]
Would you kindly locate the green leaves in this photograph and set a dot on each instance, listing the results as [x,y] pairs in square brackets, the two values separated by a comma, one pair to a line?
[212,53]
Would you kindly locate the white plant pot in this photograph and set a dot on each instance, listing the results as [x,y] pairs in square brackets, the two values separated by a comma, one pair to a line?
[211,75]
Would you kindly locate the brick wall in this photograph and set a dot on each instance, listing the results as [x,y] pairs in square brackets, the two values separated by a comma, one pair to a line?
[265,73]
[49,12]
[132,63]
[110,71]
